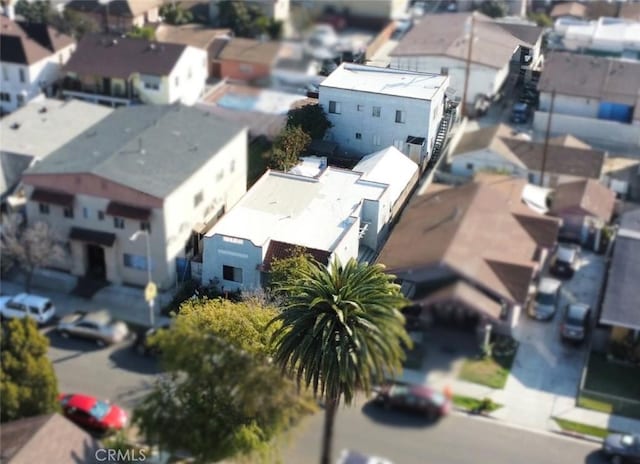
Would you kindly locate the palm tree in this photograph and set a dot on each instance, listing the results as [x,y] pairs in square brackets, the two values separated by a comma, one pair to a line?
[341,331]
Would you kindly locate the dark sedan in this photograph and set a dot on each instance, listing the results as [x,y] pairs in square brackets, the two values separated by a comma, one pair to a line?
[622,447]
[414,398]
[143,346]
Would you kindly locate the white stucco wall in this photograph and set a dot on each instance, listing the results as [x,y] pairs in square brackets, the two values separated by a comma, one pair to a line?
[483,80]
[469,163]
[567,104]
[379,132]
[41,74]
[191,74]
[222,251]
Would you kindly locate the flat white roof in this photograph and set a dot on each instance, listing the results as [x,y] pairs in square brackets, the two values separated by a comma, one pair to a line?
[305,211]
[41,127]
[385,81]
[389,166]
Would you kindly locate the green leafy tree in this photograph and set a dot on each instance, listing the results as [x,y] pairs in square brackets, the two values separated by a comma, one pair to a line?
[288,147]
[311,118]
[221,396]
[341,331]
[29,386]
[176,14]
[235,15]
[541,19]
[34,12]
[31,247]
[493,8]
[285,272]
[142,33]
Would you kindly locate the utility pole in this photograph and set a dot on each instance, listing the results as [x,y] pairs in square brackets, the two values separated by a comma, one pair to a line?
[546,138]
[467,71]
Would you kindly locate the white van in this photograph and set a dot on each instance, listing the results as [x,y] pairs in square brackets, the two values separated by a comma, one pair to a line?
[38,308]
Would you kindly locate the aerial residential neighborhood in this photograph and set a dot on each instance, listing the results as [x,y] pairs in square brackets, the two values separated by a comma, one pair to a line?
[335,231]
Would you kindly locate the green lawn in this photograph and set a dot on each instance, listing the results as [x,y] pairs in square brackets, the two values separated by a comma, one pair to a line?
[491,371]
[596,405]
[581,428]
[470,404]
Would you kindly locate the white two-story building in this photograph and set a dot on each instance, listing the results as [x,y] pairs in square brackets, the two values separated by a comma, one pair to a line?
[31,58]
[372,108]
[170,171]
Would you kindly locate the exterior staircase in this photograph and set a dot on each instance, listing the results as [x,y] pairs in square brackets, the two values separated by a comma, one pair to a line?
[442,135]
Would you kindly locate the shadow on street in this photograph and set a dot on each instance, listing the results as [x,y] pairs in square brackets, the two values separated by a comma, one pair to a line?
[395,418]
[72,344]
[125,357]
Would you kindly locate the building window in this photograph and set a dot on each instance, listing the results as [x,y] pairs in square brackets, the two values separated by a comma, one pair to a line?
[85,213]
[68,212]
[22,75]
[220,175]
[145,225]
[444,71]
[198,198]
[375,111]
[360,107]
[232,274]
[5,73]
[177,81]
[189,73]
[100,215]
[400,117]
[470,166]
[376,140]
[118,223]
[246,68]
[43,208]
[5,97]
[233,166]
[335,107]
[531,178]
[358,136]
[135,261]
[152,86]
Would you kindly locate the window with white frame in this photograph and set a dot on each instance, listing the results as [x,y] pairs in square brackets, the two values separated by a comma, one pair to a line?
[118,222]
[43,208]
[197,199]
[145,225]
[85,213]
[232,168]
[5,97]
[22,75]
[375,111]
[376,140]
[100,215]
[5,73]
[400,117]
[335,107]
[151,85]
[135,261]
[232,274]
[68,212]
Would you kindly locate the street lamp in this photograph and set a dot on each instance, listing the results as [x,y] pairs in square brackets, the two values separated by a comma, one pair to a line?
[150,291]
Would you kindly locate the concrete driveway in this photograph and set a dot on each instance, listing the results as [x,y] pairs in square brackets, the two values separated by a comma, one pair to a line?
[546,372]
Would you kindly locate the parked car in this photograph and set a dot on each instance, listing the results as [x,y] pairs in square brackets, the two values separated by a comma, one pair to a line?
[142,346]
[576,322]
[354,457]
[564,261]
[622,447]
[415,398]
[22,305]
[93,414]
[520,113]
[98,326]
[545,303]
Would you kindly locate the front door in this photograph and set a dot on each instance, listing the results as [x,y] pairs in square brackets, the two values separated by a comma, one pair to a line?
[96,268]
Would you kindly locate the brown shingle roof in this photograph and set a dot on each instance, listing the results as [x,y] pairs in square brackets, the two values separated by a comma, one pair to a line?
[630,11]
[28,43]
[587,196]
[50,438]
[569,140]
[491,138]
[473,230]
[561,160]
[250,51]
[444,35]
[599,8]
[124,8]
[121,57]
[569,9]
[282,250]
[195,35]
[587,76]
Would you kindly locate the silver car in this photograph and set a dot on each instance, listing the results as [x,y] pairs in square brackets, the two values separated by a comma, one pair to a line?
[545,303]
[98,326]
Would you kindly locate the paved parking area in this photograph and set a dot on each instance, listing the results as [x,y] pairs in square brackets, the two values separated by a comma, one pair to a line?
[546,372]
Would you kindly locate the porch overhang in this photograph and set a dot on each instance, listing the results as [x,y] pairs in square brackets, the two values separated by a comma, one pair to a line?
[52,197]
[92,237]
[127,211]
[470,297]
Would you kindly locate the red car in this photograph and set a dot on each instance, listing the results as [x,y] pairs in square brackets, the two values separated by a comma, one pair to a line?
[91,413]
[415,398]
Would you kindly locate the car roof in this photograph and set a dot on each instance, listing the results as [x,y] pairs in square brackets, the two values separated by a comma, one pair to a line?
[101,317]
[28,299]
[566,252]
[548,285]
[84,402]
[577,310]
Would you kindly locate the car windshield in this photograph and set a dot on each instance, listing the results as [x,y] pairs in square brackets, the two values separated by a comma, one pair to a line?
[100,409]
[546,299]
[574,317]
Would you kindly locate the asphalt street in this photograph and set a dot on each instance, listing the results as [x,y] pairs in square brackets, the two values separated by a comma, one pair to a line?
[116,373]
[405,439]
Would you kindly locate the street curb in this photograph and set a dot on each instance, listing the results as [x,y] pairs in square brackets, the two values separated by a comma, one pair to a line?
[580,436]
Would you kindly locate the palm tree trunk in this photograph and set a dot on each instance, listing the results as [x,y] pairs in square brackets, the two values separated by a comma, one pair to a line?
[330,408]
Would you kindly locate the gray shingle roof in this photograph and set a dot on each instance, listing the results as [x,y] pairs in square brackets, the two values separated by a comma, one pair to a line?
[152,149]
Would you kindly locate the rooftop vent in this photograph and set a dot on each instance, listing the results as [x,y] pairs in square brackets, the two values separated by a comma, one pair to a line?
[42,110]
[15,126]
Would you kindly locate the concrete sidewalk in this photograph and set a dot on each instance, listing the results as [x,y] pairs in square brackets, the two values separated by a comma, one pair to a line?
[124,303]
